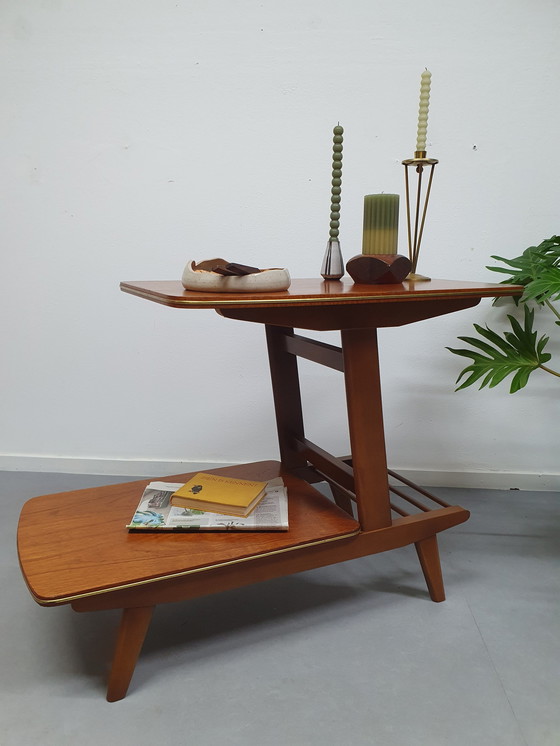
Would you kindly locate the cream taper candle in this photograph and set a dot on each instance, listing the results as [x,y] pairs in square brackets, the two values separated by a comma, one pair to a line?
[381,224]
[425,84]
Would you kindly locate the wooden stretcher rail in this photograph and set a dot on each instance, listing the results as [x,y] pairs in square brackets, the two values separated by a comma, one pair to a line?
[409,499]
[398,510]
[315,351]
[415,487]
[329,465]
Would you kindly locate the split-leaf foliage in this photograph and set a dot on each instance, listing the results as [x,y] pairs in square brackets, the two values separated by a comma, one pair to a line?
[520,351]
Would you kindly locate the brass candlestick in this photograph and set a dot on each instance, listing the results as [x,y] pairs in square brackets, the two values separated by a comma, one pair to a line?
[419,162]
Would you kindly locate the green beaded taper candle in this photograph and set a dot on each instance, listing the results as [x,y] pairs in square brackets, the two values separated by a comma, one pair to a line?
[336,183]
[333,266]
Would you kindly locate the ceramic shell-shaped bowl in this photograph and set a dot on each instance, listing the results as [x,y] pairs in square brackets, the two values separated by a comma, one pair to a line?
[267,280]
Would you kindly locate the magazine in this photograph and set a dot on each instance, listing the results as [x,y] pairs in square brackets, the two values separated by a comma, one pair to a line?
[155,512]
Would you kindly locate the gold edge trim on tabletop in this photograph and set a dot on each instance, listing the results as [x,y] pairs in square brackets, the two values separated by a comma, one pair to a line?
[176,301]
[126,586]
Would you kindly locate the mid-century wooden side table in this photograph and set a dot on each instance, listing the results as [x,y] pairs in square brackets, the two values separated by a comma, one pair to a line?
[69,556]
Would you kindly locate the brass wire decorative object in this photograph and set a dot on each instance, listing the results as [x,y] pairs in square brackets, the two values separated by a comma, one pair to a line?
[416,229]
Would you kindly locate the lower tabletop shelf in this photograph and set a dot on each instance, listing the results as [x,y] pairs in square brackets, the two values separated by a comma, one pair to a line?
[74,545]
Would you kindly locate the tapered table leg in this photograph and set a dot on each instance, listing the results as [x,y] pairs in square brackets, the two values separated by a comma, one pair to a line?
[365,421]
[132,632]
[428,554]
[287,396]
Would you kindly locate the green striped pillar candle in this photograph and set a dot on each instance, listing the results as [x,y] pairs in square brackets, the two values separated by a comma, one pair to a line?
[381,224]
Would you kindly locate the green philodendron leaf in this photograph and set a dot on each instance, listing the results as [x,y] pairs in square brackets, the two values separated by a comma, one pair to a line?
[544,287]
[530,266]
[518,353]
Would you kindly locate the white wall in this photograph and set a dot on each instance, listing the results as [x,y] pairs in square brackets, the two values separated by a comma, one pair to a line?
[141,133]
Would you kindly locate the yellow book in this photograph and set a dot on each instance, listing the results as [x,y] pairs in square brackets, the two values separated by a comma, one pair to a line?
[217,494]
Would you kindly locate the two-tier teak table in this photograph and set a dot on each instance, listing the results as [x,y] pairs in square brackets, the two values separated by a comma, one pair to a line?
[69,556]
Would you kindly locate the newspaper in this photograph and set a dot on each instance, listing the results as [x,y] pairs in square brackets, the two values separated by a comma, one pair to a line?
[155,512]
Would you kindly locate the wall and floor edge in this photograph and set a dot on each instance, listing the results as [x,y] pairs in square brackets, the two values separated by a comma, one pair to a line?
[532,481]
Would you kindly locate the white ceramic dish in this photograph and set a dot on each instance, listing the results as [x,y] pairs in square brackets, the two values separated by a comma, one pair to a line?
[203,280]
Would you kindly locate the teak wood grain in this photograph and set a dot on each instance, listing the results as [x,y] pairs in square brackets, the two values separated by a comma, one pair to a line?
[329,304]
[74,547]
[402,532]
[76,544]
[314,291]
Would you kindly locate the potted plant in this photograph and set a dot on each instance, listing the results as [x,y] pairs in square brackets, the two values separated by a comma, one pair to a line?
[520,351]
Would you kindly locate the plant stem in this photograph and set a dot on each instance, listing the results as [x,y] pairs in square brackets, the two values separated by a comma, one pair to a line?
[549,370]
[552,308]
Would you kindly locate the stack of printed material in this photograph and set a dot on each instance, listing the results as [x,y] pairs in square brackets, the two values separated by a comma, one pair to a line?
[156,512]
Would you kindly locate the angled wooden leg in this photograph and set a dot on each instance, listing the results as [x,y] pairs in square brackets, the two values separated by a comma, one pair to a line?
[287,396]
[365,426]
[132,632]
[428,554]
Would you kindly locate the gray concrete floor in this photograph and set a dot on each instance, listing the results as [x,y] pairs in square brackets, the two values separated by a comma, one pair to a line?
[350,654]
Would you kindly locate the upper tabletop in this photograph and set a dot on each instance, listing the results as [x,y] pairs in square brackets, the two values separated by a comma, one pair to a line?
[317,292]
